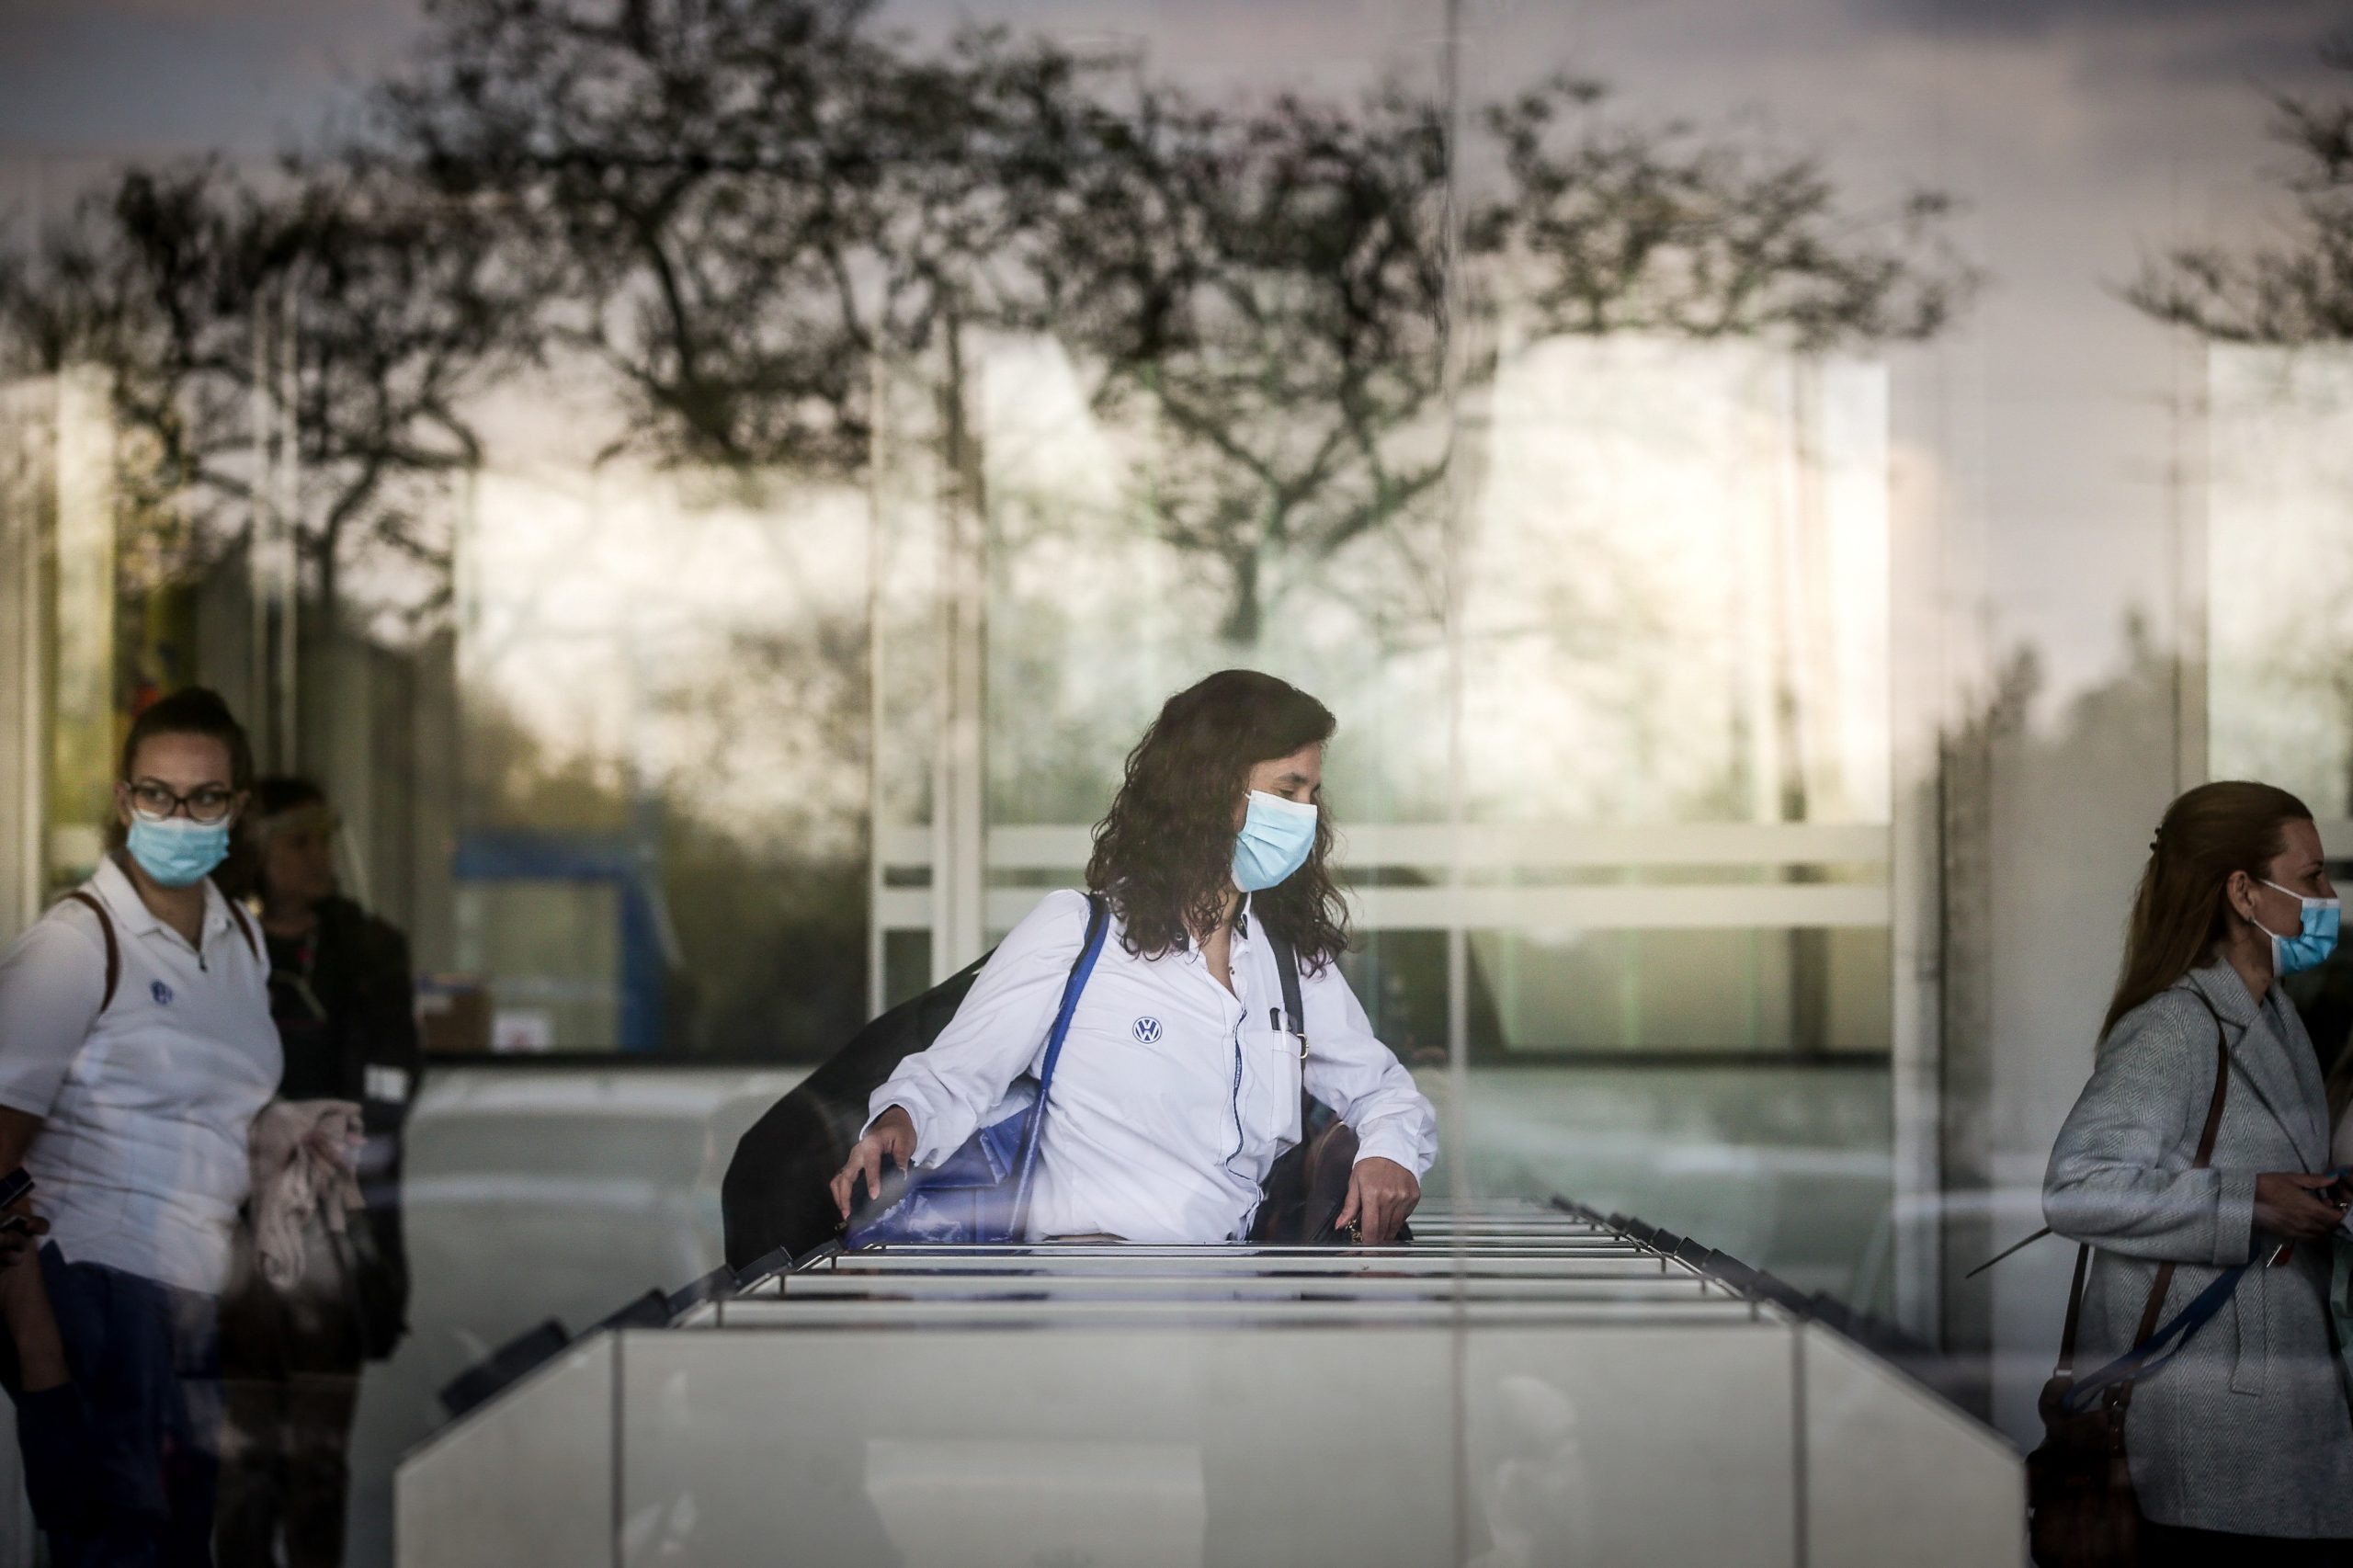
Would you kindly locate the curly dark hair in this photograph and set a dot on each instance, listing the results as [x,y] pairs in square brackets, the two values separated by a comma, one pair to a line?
[1164,854]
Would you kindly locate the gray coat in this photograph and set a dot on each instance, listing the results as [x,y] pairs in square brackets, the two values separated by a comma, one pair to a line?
[2249,1429]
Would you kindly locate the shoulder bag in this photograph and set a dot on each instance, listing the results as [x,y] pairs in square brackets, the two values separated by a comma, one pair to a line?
[2081,1507]
[981,1193]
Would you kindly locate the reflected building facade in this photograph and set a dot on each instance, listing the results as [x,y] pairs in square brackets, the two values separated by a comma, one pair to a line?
[715,501]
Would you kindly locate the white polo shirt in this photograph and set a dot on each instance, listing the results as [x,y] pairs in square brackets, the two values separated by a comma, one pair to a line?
[1173,1096]
[141,1161]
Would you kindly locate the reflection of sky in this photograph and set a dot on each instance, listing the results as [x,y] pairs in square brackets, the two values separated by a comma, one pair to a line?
[2281,582]
[2081,134]
[642,616]
[1667,535]
[152,76]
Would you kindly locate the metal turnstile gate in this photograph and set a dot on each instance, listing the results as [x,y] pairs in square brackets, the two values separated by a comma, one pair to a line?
[1522,1386]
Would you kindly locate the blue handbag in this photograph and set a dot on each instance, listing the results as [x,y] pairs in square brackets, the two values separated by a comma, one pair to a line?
[980,1194]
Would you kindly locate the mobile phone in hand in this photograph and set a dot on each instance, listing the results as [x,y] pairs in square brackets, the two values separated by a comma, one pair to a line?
[13,1184]
[865,1207]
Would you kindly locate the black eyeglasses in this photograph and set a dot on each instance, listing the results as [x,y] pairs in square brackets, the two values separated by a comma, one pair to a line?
[156,801]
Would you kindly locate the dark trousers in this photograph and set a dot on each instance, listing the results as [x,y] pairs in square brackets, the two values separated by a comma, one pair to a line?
[290,1372]
[145,1360]
[285,1470]
[2172,1546]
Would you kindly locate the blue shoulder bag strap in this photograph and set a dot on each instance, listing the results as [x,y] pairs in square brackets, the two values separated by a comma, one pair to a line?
[1098,923]
[2153,1347]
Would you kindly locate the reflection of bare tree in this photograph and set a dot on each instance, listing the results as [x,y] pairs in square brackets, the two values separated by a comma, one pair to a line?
[734,207]
[764,850]
[332,311]
[2297,291]
[770,937]
[1273,290]
[1269,291]
[1603,227]
[737,208]
[742,216]
[770,736]
[2294,293]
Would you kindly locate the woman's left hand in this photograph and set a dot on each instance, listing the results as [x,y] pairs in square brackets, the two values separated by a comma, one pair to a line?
[1380,1194]
[333,1144]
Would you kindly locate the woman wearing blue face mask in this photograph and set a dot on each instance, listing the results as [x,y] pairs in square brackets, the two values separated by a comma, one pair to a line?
[136,1048]
[1179,1082]
[2201,1143]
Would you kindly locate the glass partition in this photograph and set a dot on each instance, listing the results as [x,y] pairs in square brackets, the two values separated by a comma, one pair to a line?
[1774,495]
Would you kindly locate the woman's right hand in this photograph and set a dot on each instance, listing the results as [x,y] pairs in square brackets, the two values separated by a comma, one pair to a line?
[20,1231]
[21,1237]
[893,1133]
[2289,1205]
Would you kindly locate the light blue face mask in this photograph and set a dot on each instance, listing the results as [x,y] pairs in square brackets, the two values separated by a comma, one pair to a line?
[1277,835]
[2310,946]
[177,852]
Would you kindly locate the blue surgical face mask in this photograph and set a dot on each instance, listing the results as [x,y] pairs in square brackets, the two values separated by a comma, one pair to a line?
[1277,835]
[2310,946]
[177,852]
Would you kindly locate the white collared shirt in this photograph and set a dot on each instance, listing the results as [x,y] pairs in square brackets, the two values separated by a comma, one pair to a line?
[1173,1096]
[141,1161]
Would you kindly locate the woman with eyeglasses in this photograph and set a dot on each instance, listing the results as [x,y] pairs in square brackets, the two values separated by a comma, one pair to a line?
[136,1048]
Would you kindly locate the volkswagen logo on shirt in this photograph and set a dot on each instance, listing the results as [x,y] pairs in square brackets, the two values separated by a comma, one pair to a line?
[162,992]
[1147,1032]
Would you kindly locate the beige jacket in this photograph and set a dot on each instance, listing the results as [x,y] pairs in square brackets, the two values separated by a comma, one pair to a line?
[301,1154]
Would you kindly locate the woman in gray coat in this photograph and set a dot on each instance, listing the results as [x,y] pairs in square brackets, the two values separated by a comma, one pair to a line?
[2241,1446]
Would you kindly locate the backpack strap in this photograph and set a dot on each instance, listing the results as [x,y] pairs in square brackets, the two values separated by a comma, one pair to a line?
[244,927]
[1300,1207]
[1294,1017]
[114,949]
[1286,975]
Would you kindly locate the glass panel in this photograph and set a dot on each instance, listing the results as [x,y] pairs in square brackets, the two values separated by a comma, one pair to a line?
[2280,571]
[662,713]
[1680,345]
[1677,602]
[2280,567]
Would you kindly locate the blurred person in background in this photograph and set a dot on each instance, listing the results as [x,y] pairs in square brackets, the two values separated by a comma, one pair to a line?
[136,1050]
[2241,1447]
[1181,1083]
[341,995]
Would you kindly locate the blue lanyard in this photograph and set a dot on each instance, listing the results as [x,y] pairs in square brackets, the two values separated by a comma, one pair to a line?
[2150,1357]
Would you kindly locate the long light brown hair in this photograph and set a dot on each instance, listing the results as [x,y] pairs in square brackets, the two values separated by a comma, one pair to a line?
[2178,915]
